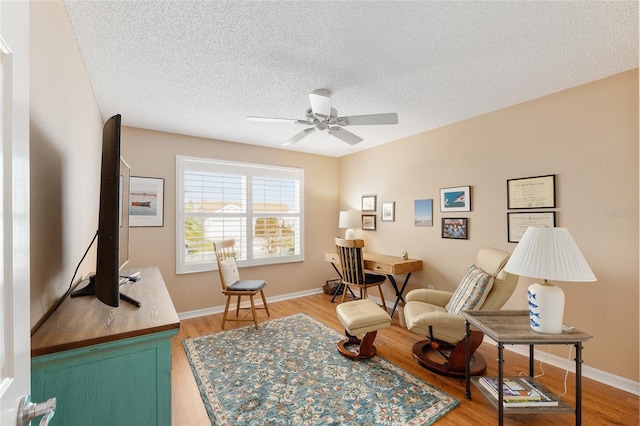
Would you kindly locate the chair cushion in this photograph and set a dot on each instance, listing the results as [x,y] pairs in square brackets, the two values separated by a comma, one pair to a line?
[374,278]
[471,292]
[247,285]
[229,271]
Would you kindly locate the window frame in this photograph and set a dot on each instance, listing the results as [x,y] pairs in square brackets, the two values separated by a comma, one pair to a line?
[249,171]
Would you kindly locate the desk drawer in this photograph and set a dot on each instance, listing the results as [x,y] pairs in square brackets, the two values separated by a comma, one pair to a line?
[331,257]
[378,267]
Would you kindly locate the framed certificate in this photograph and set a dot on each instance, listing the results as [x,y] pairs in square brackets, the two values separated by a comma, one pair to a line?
[519,222]
[532,193]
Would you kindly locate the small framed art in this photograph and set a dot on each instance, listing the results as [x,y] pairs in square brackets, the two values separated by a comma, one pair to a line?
[519,222]
[456,199]
[146,203]
[368,203]
[388,213]
[368,222]
[455,228]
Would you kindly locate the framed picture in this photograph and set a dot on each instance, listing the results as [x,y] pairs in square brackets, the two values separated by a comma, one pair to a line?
[455,228]
[456,199]
[517,223]
[146,202]
[369,222]
[368,203]
[423,213]
[532,193]
[388,213]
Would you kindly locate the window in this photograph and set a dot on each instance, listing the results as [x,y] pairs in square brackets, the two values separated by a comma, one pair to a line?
[258,206]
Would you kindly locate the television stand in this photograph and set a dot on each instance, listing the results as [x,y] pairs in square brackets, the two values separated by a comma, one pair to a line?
[90,290]
[100,351]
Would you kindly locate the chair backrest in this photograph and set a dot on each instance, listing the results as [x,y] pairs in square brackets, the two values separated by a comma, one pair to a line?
[226,258]
[492,261]
[351,260]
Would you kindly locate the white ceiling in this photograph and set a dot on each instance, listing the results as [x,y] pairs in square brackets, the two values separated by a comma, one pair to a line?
[199,68]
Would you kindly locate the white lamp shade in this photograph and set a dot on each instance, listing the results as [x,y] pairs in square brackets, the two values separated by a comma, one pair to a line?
[550,254]
[347,220]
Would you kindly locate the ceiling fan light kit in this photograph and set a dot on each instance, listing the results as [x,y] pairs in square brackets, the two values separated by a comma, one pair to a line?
[323,117]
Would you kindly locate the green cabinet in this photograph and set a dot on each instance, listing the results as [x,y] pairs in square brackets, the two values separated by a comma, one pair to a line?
[120,379]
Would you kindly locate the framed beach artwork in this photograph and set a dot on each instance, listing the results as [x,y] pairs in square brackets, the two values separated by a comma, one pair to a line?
[456,199]
[423,213]
[146,203]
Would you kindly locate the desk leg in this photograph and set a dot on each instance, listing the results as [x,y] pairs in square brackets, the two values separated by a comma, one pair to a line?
[467,374]
[399,292]
[578,346]
[339,285]
[500,380]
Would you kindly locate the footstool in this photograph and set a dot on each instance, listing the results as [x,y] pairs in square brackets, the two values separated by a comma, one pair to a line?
[359,317]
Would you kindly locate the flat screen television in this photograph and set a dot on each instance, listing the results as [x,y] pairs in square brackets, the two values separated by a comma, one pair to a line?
[113,220]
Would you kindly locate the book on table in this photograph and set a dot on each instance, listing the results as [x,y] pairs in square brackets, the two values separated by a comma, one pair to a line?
[518,392]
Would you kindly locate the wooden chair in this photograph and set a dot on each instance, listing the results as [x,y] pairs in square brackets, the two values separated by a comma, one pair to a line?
[353,273]
[232,285]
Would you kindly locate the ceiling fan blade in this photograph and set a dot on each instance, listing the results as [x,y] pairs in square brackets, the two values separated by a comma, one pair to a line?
[357,120]
[320,100]
[296,138]
[274,120]
[344,135]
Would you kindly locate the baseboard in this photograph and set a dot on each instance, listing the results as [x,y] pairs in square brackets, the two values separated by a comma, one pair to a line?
[608,379]
[220,309]
[556,361]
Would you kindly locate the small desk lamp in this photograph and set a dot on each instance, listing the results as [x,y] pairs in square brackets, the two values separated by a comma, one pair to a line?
[550,254]
[347,220]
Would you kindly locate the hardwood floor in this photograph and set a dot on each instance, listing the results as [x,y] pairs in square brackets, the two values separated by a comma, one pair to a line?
[602,405]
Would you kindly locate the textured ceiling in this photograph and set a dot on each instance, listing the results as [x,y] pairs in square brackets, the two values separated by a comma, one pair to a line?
[199,68]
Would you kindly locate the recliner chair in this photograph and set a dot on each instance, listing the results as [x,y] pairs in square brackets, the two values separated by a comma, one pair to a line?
[434,313]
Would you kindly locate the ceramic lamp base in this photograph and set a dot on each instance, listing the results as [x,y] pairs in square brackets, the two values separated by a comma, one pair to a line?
[350,234]
[546,307]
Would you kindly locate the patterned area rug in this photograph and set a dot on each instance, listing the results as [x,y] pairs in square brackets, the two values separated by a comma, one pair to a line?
[289,372]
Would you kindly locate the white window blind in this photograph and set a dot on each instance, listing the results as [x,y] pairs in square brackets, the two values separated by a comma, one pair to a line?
[259,206]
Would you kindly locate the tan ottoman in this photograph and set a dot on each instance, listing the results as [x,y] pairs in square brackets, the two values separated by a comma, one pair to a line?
[361,317]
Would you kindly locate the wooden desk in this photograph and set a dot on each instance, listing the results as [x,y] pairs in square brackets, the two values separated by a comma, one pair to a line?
[383,264]
[108,366]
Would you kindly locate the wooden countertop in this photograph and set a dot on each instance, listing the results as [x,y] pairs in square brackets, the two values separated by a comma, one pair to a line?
[85,321]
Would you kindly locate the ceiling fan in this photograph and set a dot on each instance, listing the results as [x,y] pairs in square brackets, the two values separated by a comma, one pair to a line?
[322,116]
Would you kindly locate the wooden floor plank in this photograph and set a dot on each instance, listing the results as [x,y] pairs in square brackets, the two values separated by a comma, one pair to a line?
[602,405]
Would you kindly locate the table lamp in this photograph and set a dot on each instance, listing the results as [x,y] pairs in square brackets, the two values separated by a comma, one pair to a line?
[347,220]
[549,254]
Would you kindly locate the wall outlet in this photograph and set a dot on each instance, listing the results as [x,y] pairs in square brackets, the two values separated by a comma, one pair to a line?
[430,287]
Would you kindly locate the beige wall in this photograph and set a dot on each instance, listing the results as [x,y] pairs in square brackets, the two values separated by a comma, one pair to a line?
[588,138]
[153,154]
[66,134]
